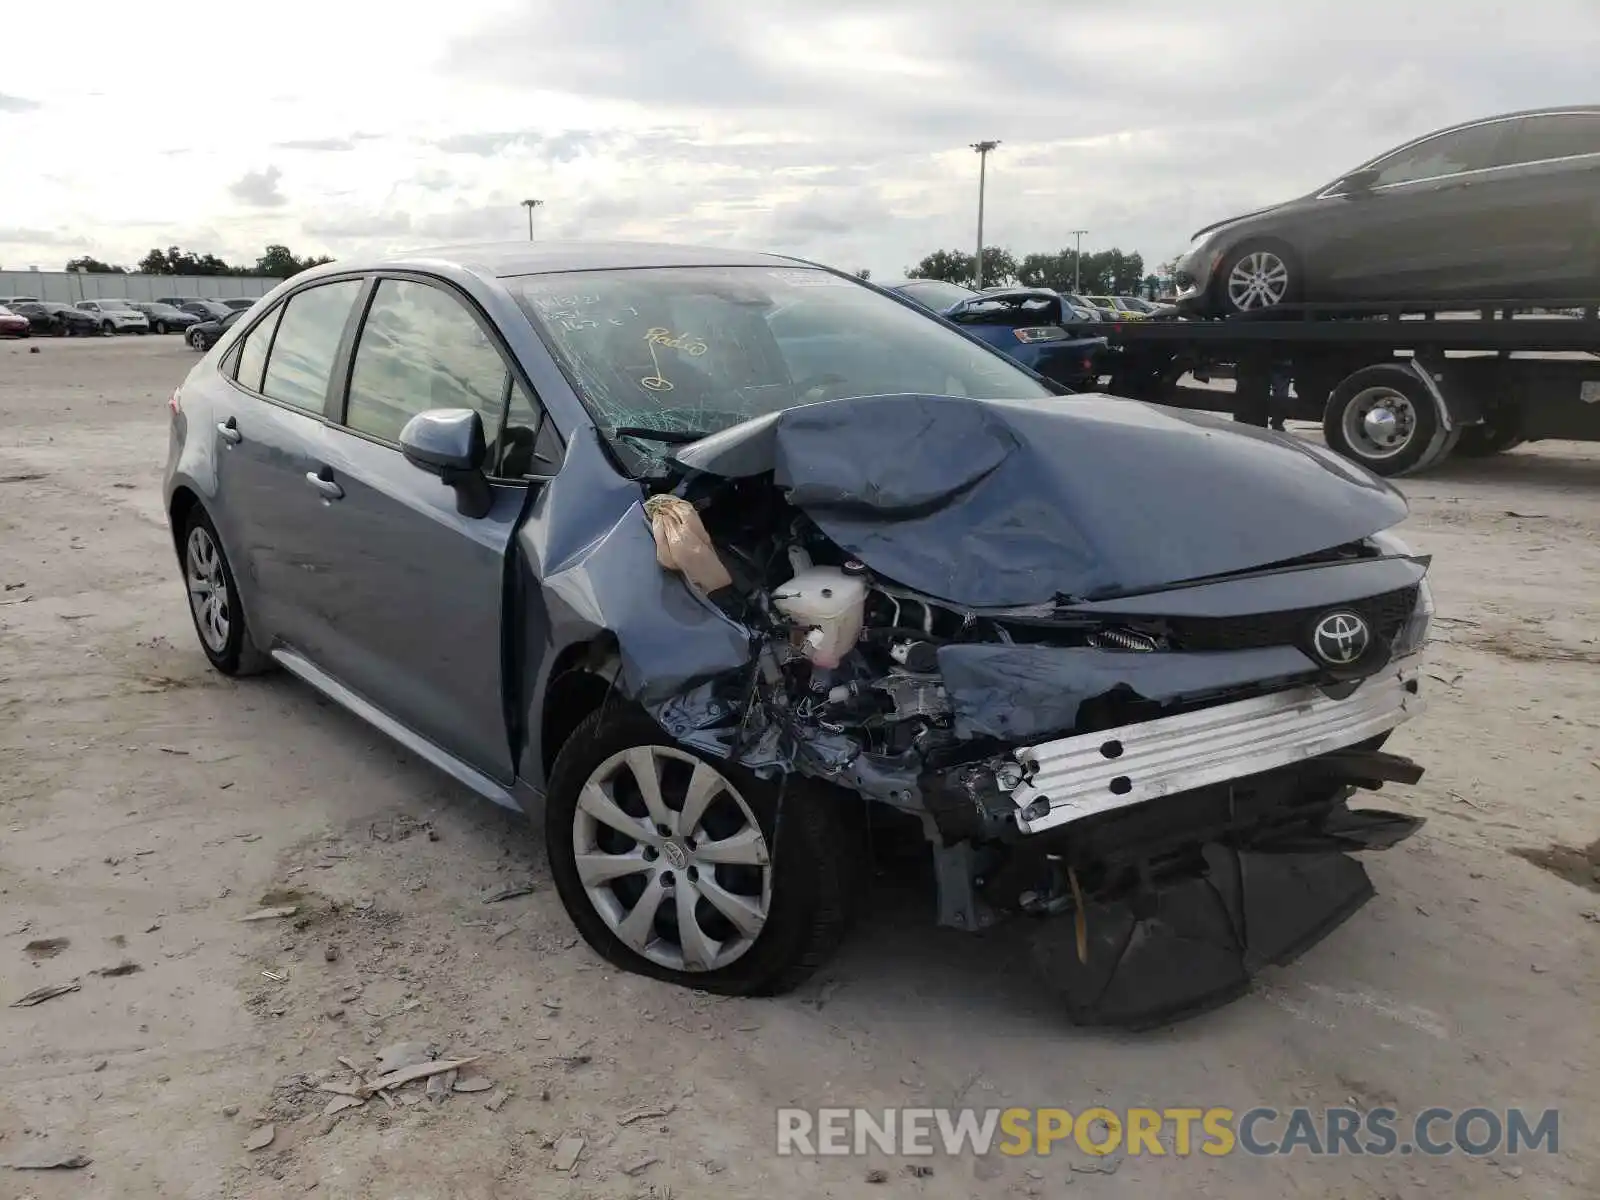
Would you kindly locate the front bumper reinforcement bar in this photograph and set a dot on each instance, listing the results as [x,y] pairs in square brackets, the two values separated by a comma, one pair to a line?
[1076,777]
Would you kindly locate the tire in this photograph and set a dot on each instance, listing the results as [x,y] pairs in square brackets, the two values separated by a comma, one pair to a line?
[1256,277]
[194,340]
[108,329]
[805,880]
[226,643]
[1499,432]
[1348,430]
[159,327]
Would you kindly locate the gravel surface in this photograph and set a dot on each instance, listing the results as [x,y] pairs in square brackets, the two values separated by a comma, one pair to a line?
[147,804]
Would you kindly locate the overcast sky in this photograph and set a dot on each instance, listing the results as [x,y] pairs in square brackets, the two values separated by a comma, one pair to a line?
[833,129]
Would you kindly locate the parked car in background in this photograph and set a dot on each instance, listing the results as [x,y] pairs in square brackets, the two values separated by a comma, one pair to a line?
[699,557]
[176,301]
[57,320]
[1500,208]
[1027,324]
[205,334]
[14,324]
[1118,310]
[164,318]
[116,316]
[239,301]
[8,301]
[1098,312]
[207,310]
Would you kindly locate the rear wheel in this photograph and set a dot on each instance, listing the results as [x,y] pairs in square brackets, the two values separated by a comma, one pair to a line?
[1383,417]
[107,328]
[693,871]
[214,600]
[160,327]
[1499,432]
[196,340]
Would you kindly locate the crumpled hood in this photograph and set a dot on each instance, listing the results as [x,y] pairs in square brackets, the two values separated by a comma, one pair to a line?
[1000,503]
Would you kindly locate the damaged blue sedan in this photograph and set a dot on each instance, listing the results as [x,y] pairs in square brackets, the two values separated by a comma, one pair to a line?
[718,564]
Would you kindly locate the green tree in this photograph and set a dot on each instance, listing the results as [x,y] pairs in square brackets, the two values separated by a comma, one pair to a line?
[863,272]
[1052,271]
[279,262]
[999,266]
[956,266]
[94,266]
[952,266]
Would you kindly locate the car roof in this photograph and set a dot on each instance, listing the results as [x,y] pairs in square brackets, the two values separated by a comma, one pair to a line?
[508,259]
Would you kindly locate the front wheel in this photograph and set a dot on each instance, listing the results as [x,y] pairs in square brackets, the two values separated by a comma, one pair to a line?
[694,872]
[1257,277]
[1384,418]
[108,329]
[196,341]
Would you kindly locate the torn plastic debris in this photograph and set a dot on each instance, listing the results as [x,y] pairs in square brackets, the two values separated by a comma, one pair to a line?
[1184,946]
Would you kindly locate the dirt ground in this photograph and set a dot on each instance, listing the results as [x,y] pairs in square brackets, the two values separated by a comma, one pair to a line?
[147,804]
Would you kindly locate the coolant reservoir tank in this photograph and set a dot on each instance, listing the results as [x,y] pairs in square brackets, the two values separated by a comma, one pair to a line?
[828,602]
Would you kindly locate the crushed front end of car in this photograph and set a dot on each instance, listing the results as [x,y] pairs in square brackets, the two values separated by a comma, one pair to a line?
[1126,666]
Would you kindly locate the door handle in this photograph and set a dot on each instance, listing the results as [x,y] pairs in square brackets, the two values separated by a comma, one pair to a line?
[229,430]
[329,489]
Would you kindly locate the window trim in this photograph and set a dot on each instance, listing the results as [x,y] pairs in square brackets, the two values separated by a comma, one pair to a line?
[339,406]
[230,361]
[1331,191]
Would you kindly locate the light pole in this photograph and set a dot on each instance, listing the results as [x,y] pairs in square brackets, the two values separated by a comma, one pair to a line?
[530,205]
[1077,260]
[983,149]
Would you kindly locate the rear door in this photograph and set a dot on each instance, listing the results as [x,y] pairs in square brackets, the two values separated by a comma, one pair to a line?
[414,596]
[1548,206]
[270,429]
[1425,228]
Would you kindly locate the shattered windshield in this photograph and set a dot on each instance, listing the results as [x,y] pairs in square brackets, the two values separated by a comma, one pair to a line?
[686,351]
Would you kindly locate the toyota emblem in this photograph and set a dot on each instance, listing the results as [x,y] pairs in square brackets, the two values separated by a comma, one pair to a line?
[1341,638]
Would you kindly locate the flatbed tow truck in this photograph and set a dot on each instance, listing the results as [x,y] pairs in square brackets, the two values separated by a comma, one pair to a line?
[1397,387]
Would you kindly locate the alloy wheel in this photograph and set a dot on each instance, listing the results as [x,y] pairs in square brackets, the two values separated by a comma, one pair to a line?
[1258,280]
[208,590]
[672,858]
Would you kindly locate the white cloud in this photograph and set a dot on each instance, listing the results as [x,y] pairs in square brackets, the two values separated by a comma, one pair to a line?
[259,188]
[836,129]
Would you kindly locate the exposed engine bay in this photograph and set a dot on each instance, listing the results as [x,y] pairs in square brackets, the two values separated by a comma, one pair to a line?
[1076,735]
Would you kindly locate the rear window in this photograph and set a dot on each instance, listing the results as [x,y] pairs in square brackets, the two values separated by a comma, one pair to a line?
[309,332]
[1567,136]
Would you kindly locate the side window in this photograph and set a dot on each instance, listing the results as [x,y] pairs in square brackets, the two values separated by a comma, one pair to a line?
[1469,149]
[421,349]
[1539,138]
[253,354]
[308,340]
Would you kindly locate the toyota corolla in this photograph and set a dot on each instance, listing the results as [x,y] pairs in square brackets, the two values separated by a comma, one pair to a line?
[714,562]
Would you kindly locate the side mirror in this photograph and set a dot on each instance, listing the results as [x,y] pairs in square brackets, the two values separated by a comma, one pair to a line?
[1360,181]
[448,442]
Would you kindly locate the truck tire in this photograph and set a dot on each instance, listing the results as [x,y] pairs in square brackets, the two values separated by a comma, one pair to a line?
[646,838]
[1498,433]
[1384,418]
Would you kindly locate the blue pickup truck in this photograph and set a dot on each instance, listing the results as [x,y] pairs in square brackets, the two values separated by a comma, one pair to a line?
[1027,324]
